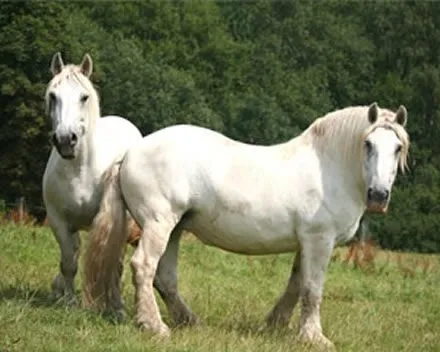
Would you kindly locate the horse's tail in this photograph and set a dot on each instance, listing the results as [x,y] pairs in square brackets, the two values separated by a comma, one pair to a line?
[102,267]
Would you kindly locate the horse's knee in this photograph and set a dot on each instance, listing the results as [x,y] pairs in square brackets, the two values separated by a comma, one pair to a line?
[142,267]
[136,262]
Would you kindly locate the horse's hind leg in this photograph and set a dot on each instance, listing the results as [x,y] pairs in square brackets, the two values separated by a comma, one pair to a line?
[117,307]
[282,311]
[144,262]
[165,282]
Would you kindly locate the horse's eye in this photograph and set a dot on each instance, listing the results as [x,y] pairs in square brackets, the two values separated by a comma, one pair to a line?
[84,98]
[52,100]
[398,149]
[52,97]
[368,146]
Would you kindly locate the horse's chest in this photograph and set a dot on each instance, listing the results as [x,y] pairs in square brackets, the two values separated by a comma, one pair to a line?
[347,225]
[80,202]
[346,232]
[84,205]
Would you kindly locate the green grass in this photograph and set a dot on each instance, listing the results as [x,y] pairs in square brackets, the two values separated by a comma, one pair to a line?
[379,311]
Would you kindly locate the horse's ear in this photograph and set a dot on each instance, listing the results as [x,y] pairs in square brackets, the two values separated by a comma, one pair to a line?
[87,65]
[57,64]
[373,112]
[401,115]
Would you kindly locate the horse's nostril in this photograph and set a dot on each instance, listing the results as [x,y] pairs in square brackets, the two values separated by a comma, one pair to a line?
[73,139]
[377,194]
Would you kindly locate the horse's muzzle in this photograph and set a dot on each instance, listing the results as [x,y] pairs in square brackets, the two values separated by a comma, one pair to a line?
[377,200]
[65,144]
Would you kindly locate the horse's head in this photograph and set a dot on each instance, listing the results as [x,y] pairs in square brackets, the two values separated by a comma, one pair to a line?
[385,148]
[72,104]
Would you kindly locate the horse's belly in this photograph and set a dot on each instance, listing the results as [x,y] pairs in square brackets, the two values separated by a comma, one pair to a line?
[244,235]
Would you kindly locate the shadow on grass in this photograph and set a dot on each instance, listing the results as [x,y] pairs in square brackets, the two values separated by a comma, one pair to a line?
[251,327]
[259,329]
[28,297]
[35,298]
[38,298]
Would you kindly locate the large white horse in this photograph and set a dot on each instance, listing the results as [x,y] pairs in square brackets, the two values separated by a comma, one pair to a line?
[85,145]
[305,195]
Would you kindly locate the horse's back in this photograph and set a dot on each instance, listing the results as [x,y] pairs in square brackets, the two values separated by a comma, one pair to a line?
[202,161]
[190,135]
[194,154]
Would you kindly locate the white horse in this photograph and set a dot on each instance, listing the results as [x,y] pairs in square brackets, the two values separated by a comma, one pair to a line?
[85,145]
[305,195]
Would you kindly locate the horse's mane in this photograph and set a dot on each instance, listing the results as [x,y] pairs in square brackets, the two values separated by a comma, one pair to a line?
[346,129]
[73,73]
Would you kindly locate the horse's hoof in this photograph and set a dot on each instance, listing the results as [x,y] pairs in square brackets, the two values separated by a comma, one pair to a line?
[164,332]
[189,319]
[117,316]
[57,287]
[120,315]
[56,296]
[193,320]
[68,301]
[277,321]
[316,339]
[161,331]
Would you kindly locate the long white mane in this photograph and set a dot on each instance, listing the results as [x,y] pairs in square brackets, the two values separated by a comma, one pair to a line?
[342,132]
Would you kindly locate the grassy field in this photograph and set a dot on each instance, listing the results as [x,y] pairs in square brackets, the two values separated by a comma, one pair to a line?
[393,307]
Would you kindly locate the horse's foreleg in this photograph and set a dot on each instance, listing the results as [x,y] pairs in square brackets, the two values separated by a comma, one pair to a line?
[69,242]
[165,282]
[282,311]
[144,262]
[316,250]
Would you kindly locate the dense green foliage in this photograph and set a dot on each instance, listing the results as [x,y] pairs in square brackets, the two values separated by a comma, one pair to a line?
[258,71]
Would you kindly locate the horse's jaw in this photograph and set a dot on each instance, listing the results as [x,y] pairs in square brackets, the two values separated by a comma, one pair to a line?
[66,152]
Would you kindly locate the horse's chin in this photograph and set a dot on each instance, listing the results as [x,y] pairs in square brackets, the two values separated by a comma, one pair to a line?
[68,157]
[377,208]
[67,153]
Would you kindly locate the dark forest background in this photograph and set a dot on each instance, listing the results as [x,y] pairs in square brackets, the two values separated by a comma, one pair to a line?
[257,71]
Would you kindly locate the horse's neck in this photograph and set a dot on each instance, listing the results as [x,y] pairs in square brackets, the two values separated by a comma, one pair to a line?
[335,159]
[347,166]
